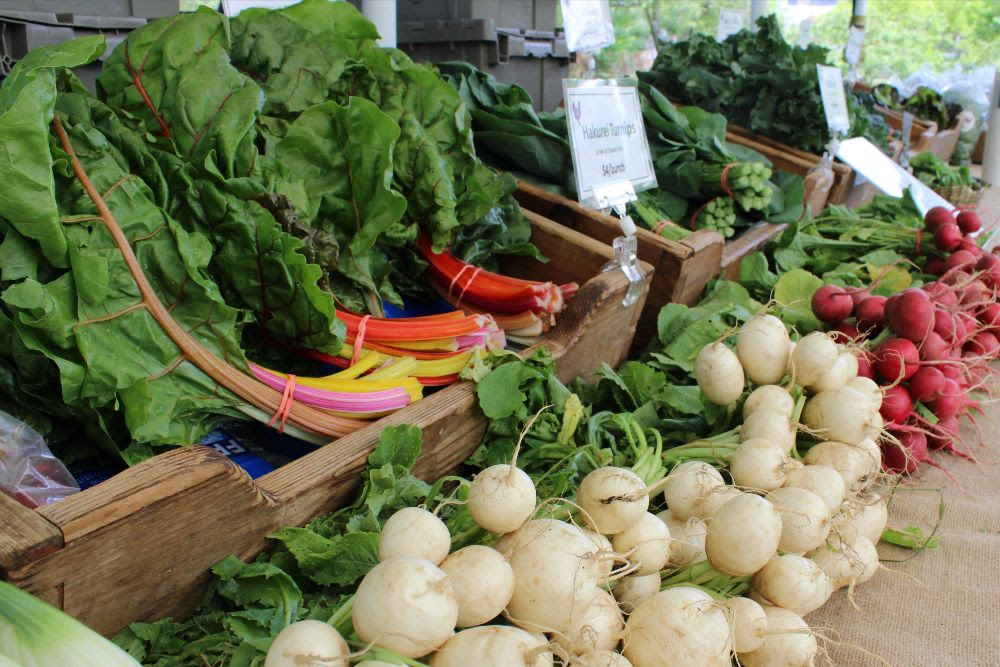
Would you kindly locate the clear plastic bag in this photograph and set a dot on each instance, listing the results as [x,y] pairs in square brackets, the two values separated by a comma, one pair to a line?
[29,473]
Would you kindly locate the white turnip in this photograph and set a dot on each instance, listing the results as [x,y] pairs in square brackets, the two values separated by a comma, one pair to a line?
[793,582]
[633,589]
[770,397]
[597,624]
[867,518]
[599,659]
[789,642]
[853,463]
[646,544]
[688,487]
[822,480]
[813,357]
[762,348]
[688,539]
[773,426]
[748,621]
[843,369]
[406,605]
[867,388]
[483,582]
[492,646]
[847,563]
[413,531]
[680,627]
[805,519]
[843,415]
[306,643]
[501,498]
[759,464]
[719,374]
[743,535]
[612,499]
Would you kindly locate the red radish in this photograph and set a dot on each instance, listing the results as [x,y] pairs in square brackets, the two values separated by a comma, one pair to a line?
[989,315]
[975,293]
[989,264]
[944,434]
[912,315]
[961,259]
[865,369]
[969,244]
[934,348]
[871,314]
[926,384]
[952,371]
[947,237]
[937,216]
[983,344]
[897,405]
[934,266]
[946,325]
[832,304]
[845,332]
[859,295]
[946,405]
[906,456]
[896,358]
[969,222]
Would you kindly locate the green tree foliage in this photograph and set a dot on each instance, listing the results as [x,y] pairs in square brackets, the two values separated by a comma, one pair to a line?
[901,36]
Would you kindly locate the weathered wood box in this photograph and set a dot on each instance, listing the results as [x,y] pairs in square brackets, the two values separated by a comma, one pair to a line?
[139,546]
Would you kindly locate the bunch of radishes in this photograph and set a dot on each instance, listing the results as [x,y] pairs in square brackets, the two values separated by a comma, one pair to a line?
[930,346]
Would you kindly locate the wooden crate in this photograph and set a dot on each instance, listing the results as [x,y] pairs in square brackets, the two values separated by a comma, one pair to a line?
[139,546]
[783,154]
[681,268]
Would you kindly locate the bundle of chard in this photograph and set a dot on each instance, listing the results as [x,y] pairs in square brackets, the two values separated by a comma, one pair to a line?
[931,347]
[523,308]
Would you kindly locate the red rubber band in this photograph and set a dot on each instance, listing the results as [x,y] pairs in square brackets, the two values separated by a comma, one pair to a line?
[285,407]
[725,172]
[920,237]
[660,226]
[698,211]
[458,275]
[359,339]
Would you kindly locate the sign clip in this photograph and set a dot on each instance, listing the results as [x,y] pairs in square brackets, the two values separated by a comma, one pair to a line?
[615,197]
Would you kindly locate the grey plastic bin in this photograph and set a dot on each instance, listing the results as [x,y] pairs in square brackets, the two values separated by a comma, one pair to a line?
[518,14]
[538,60]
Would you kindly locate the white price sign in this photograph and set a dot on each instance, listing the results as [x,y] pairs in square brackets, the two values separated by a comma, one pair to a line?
[871,163]
[587,24]
[730,21]
[831,88]
[607,137]
[855,39]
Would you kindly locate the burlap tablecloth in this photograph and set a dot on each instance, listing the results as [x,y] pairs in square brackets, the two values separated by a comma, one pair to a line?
[952,618]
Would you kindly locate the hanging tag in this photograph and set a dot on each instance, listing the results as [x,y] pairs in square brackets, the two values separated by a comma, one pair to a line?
[730,22]
[831,89]
[614,197]
[855,39]
[587,24]
[904,158]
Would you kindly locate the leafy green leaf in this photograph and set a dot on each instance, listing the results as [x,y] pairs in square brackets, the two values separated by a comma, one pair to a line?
[340,560]
[794,291]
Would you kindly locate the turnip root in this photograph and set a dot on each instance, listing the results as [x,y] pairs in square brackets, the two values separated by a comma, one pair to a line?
[501,498]
[633,589]
[413,531]
[405,604]
[770,397]
[868,520]
[771,426]
[597,624]
[605,563]
[853,463]
[843,369]
[762,349]
[492,646]
[719,374]
[306,643]
[552,561]
[759,464]
[680,627]
[843,415]
[867,388]
[646,543]
[483,582]
[688,487]
[805,519]
[793,582]
[688,539]
[813,357]
[822,480]
[743,535]
[612,499]
[789,642]
[847,563]
[599,659]
[748,621]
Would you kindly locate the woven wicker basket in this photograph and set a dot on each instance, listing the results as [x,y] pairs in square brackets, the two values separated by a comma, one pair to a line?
[960,195]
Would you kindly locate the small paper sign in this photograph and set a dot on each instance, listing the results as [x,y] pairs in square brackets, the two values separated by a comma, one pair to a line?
[868,161]
[831,88]
[730,21]
[587,24]
[232,8]
[855,39]
[607,137]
